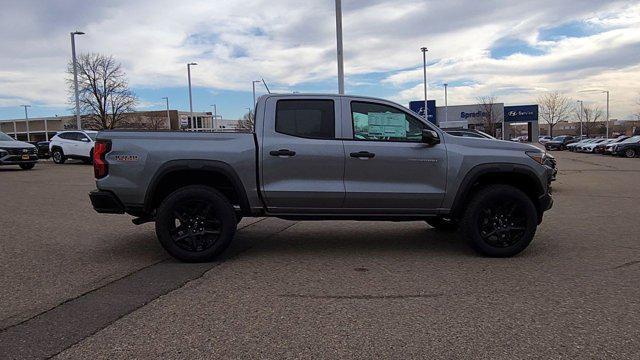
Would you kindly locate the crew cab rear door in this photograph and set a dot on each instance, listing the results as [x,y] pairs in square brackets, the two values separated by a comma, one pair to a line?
[388,169]
[302,157]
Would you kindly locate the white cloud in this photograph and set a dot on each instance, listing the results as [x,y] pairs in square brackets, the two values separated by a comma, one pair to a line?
[292,43]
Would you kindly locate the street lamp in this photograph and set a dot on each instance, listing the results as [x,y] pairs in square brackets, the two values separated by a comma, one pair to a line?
[446,105]
[607,92]
[26,118]
[580,117]
[75,76]
[253,85]
[339,47]
[215,115]
[168,118]
[424,71]
[190,99]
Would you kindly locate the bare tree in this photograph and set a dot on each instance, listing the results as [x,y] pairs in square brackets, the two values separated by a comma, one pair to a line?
[246,123]
[554,107]
[489,113]
[590,116]
[104,93]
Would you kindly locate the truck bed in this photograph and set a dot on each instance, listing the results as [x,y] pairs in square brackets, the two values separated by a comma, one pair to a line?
[137,157]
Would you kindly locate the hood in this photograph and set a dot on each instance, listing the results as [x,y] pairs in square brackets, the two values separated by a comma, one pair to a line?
[490,143]
[15,144]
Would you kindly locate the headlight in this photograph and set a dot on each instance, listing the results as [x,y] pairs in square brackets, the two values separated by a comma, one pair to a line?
[537,156]
[3,152]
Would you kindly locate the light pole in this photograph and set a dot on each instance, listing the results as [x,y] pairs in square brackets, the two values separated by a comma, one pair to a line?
[580,117]
[75,76]
[607,92]
[168,117]
[446,105]
[190,99]
[253,85]
[26,118]
[339,47]
[424,71]
[215,115]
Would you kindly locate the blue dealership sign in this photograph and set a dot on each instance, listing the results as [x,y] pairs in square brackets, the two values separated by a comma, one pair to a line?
[418,107]
[521,113]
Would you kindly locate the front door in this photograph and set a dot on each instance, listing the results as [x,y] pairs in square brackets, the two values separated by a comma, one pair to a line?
[388,169]
[302,159]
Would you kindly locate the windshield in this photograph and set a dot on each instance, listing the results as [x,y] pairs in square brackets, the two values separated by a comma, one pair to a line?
[92,135]
[633,139]
[5,137]
[558,138]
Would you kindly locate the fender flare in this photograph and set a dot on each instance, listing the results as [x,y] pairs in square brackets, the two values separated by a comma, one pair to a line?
[213,166]
[472,176]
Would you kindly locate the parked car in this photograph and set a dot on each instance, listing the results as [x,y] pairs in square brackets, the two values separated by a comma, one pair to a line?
[589,147]
[14,152]
[308,159]
[600,148]
[559,142]
[629,148]
[469,133]
[42,147]
[73,144]
[572,146]
[608,148]
[544,139]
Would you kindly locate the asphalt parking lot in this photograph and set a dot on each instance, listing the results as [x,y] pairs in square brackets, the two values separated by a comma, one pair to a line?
[76,284]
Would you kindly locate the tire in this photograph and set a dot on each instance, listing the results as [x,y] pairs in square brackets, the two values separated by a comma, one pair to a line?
[442,224]
[89,160]
[630,153]
[500,221]
[27,166]
[195,223]
[58,156]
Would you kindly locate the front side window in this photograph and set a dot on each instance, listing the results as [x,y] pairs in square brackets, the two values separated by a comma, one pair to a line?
[306,118]
[379,122]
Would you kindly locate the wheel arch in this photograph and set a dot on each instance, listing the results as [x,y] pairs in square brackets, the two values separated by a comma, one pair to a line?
[175,174]
[521,177]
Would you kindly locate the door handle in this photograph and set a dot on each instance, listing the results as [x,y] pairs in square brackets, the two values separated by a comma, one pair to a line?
[362,154]
[282,152]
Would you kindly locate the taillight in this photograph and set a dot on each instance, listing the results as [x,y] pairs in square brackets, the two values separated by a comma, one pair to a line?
[100,165]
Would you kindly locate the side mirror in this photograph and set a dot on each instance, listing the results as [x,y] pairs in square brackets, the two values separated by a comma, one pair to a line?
[430,137]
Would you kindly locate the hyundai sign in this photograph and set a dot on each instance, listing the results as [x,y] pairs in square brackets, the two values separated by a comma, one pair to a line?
[418,107]
[521,113]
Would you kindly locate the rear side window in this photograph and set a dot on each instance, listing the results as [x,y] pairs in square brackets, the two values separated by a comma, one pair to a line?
[67,136]
[306,118]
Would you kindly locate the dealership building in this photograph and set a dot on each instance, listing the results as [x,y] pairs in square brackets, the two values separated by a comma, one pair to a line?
[43,128]
[474,116]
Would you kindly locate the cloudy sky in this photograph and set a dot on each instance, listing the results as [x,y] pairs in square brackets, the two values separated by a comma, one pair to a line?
[514,50]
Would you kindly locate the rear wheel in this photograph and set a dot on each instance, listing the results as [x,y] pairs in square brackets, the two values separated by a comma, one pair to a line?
[58,156]
[500,221]
[27,166]
[195,223]
[442,223]
[630,153]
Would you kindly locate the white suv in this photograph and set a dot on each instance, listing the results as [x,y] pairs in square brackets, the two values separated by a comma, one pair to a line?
[72,144]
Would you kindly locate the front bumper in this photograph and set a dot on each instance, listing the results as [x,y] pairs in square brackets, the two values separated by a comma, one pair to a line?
[17,159]
[106,202]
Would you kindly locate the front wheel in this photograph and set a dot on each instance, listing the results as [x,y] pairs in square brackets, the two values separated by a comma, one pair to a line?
[195,223]
[27,166]
[630,153]
[58,156]
[500,221]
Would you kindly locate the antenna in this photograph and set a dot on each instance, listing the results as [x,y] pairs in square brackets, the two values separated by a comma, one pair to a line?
[265,85]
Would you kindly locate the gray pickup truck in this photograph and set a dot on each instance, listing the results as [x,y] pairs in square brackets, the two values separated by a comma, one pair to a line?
[320,157]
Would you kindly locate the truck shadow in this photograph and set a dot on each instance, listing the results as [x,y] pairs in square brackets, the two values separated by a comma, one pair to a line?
[335,241]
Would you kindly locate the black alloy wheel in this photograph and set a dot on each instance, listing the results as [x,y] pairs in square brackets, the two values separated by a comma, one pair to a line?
[630,153]
[500,221]
[195,223]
